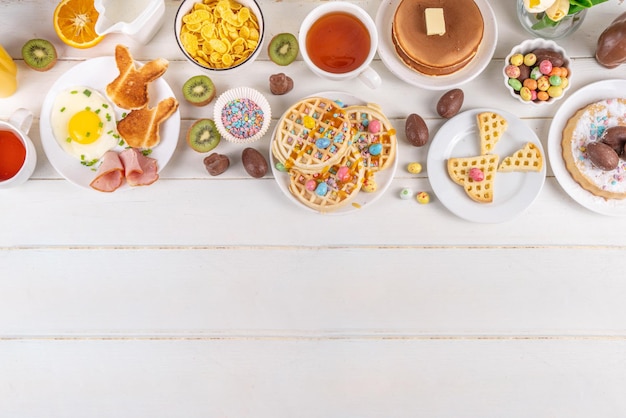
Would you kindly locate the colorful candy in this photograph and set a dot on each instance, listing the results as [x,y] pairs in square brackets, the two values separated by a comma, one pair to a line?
[406,194]
[423,198]
[374,126]
[537,81]
[242,118]
[414,168]
[476,174]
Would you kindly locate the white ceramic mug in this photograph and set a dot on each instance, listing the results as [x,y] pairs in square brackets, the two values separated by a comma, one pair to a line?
[364,72]
[19,124]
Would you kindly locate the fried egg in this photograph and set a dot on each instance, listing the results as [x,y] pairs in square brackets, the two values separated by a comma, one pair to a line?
[83,123]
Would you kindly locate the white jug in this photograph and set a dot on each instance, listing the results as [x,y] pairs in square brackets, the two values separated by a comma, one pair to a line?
[139,19]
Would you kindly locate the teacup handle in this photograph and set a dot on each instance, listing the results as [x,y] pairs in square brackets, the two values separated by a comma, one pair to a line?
[370,78]
[22,119]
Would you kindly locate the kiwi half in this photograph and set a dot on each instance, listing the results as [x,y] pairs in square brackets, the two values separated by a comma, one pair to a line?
[203,135]
[199,90]
[39,54]
[283,48]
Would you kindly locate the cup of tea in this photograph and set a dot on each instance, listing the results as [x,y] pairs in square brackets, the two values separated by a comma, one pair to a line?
[18,157]
[338,41]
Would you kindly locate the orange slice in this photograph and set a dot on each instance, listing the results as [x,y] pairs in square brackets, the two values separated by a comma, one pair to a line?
[75,21]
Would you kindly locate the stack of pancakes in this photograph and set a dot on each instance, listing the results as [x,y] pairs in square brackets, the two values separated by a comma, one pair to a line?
[437,55]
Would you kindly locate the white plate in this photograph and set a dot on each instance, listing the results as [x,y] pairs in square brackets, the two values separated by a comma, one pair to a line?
[513,192]
[97,73]
[387,52]
[590,93]
[383,178]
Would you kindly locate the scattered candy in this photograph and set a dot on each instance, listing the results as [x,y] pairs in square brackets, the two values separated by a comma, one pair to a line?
[530,59]
[476,174]
[322,143]
[281,167]
[512,71]
[406,194]
[310,185]
[414,168]
[376,148]
[515,84]
[423,198]
[321,189]
[343,174]
[308,122]
[517,60]
[545,67]
[374,126]
[369,185]
[242,118]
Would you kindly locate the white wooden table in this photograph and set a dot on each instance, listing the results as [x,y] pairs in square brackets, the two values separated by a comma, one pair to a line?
[209,296]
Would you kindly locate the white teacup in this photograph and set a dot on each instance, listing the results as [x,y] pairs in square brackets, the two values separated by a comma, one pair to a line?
[364,72]
[19,124]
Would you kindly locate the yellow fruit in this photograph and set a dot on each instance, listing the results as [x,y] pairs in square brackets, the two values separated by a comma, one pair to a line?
[75,21]
[558,10]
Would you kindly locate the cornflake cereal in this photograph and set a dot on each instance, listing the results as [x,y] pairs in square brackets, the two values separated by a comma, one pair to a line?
[219,34]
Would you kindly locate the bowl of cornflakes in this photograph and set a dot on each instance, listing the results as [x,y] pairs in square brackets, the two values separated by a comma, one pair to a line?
[220,36]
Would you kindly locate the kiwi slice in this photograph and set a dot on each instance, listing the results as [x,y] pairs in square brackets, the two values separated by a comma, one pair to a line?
[39,54]
[199,90]
[283,48]
[203,135]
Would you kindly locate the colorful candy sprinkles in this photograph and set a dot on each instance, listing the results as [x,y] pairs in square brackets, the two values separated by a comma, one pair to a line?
[243,118]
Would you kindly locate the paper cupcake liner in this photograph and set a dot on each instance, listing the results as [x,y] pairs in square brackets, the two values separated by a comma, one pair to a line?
[230,110]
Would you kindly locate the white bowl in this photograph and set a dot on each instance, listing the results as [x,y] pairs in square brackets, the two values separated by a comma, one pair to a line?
[526,47]
[235,96]
[254,7]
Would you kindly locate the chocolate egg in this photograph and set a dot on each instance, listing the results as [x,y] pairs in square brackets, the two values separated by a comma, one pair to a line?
[216,163]
[611,48]
[416,130]
[554,57]
[615,137]
[254,162]
[450,103]
[602,156]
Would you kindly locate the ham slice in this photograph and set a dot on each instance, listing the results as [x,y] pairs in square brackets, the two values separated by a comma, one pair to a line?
[139,170]
[110,174]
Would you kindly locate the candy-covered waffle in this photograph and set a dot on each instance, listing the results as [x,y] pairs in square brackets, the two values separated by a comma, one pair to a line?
[373,136]
[332,187]
[312,134]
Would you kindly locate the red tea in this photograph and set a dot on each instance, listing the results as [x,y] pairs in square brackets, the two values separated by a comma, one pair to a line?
[338,43]
[12,155]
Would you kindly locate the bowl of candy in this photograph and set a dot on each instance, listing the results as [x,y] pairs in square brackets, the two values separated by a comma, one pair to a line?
[220,36]
[242,115]
[537,72]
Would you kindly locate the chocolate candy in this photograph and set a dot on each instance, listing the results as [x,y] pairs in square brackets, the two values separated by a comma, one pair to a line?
[254,162]
[615,137]
[602,156]
[416,130]
[450,103]
[216,163]
[611,48]
[554,57]
[280,83]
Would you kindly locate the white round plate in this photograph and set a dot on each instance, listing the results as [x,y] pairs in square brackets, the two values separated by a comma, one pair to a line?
[96,73]
[387,52]
[513,192]
[586,95]
[363,199]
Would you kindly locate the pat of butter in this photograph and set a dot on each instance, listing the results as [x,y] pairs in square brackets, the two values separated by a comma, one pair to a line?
[435,23]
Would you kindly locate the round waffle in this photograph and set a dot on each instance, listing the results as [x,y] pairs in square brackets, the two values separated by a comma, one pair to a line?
[304,127]
[331,188]
[377,146]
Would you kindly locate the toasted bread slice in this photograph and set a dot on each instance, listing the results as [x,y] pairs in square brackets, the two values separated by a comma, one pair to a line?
[491,126]
[130,89]
[528,158]
[140,128]
[459,172]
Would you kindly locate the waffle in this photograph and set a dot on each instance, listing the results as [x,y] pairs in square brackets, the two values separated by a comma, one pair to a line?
[360,118]
[302,125]
[479,191]
[339,193]
[528,158]
[491,126]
